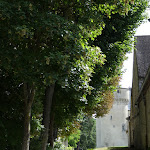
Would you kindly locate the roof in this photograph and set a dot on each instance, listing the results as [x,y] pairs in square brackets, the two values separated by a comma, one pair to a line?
[143,54]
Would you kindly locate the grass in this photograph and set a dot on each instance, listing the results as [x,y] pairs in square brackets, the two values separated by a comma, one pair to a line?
[104,148]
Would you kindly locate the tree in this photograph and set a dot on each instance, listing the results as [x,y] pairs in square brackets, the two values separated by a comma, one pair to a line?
[48,43]
[115,41]
[11,115]
[88,133]
[74,138]
[26,54]
[33,58]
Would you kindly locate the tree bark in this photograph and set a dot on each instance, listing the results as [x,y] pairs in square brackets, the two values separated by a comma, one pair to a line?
[78,145]
[51,130]
[29,92]
[46,115]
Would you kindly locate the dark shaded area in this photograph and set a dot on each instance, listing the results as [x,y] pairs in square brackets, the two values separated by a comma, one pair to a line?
[120,148]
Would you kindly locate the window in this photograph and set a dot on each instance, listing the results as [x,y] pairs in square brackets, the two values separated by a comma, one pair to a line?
[118,91]
[110,117]
[123,127]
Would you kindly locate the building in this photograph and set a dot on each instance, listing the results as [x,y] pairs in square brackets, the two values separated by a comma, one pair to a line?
[111,130]
[139,120]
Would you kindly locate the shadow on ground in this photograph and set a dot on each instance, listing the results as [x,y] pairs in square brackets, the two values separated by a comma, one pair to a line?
[119,148]
[115,148]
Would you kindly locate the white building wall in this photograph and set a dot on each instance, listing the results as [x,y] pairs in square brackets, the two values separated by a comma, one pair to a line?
[111,130]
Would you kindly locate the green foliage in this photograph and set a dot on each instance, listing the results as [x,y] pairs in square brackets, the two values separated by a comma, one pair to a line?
[11,112]
[78,45]
[88,133]
[58,145]
[36,127]
[115,41]
[74,138]
[35,143]
[37,38]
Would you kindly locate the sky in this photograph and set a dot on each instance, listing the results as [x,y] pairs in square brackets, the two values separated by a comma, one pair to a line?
[126,81]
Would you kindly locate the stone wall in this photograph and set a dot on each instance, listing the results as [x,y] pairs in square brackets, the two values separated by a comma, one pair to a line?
[148,115]
[140,122]
[111,130]
[139,119]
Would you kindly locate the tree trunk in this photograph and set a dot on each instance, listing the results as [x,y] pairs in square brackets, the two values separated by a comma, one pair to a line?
[51,131]
[29,92]
[78,145]
[55,133]
[46,115]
